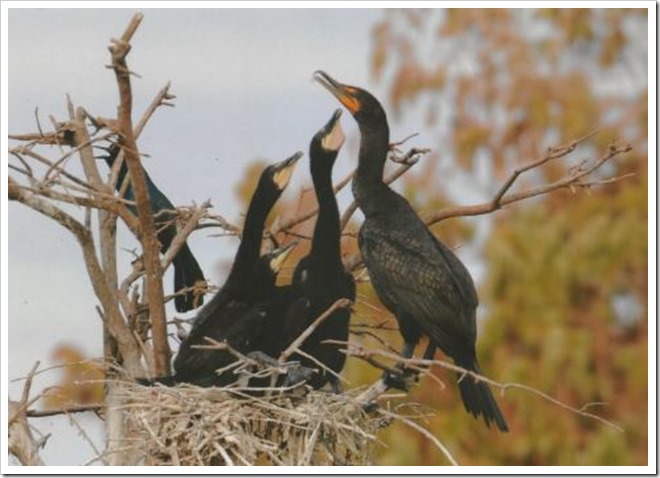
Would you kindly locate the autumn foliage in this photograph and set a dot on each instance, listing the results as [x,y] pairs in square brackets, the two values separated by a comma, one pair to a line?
[565,291]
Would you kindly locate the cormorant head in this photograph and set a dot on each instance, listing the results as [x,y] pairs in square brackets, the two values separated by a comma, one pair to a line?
[280,173]
[364,107]
[277,257]
[331,137]
[264,274]
[324,147]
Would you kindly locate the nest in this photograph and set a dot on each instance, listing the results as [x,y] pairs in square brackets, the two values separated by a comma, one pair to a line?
[189,425]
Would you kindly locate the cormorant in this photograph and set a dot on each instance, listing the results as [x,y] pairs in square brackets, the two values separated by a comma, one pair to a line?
[249,286]
[187,272]
[241,323]
[416,276]
[319,278]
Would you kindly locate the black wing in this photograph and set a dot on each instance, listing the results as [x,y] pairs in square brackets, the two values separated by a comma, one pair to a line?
[417,276]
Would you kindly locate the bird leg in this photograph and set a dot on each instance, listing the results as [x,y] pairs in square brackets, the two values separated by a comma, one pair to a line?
[298,375]
[335,385]
[404,378]
[263,358]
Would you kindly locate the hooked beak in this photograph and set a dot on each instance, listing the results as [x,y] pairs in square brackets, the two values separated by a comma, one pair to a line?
[284,171]
[333,136]
[280,255]
[345,94]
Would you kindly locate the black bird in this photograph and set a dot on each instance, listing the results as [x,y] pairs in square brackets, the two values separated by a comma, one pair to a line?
[249,286]
[187,272]
[242,324]
[319,278]
[416,276]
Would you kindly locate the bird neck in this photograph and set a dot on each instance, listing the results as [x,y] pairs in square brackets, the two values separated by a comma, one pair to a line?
[368,185]
[326,239]
[249,249]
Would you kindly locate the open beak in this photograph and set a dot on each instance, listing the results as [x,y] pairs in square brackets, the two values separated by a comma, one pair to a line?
[284,170]
[280,255]
[345,94]
[333,136]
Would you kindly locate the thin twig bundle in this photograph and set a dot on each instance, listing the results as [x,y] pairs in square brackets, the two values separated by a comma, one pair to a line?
[189,425]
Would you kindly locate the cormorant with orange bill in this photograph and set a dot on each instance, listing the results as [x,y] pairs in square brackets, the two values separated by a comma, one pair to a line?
[416,276]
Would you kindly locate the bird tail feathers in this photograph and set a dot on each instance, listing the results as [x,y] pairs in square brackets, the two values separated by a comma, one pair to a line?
[187,273]
[478,398]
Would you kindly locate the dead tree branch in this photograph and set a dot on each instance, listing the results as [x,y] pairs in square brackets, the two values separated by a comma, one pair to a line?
[21,442]
[339,304]
[575,178]
[116,324]
[147,235]
[378,388]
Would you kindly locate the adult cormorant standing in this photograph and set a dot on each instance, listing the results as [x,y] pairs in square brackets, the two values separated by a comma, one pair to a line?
[187,272]
[319,279]
[249,286]
[416,276]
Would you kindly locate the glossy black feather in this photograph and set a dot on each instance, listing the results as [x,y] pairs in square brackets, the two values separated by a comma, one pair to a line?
[244,310]
[187,271]
[320,278]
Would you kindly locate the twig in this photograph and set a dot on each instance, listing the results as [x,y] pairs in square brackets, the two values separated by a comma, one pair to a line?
[423,431]
[183,234]
[339,304]
[161,99]
[573,179]
[21,442]
[286,225]
[350,210]
[360,352]
[64,411]
[116,325]
[502,199]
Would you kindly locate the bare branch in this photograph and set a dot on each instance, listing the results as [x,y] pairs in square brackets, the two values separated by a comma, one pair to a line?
[21,442]
[64,411]
[82,142]
[116,325]
[154,290]
[184,232]
[339,304]
[162,99]
[423,431]
[362,353]
[405,166]
[573,179]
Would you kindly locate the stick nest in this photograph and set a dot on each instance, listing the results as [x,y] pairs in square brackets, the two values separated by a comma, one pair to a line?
[189,425]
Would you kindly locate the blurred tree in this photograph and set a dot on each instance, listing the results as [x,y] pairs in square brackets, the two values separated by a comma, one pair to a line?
[81,382]
[564,300]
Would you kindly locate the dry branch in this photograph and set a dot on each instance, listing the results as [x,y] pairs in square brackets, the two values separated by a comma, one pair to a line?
[338,304]
[147,234]
[573,179]
[378,387]
[21,442]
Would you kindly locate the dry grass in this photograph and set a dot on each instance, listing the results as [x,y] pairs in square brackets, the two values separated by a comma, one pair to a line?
[189,425]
